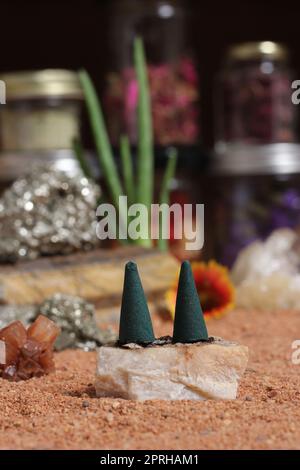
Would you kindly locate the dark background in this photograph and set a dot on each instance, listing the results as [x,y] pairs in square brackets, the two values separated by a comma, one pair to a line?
[38,34]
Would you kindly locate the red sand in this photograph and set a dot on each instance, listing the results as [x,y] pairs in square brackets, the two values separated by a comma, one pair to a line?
[60,411]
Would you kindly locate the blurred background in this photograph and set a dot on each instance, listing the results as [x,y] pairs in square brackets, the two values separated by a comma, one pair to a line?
[220,77]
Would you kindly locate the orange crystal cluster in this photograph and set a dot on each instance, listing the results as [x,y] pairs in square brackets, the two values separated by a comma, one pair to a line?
[27,353]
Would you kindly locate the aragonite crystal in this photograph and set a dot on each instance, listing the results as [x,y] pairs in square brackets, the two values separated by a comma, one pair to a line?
[27,353]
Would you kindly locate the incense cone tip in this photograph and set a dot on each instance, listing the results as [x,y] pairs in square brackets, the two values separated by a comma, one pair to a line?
[131,266]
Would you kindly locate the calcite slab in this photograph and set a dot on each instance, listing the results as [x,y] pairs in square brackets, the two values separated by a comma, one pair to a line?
[199,371]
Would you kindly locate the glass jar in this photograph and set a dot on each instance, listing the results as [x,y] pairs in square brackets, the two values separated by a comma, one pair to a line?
[246,199]
[253,97]
[172,72]
[42,110]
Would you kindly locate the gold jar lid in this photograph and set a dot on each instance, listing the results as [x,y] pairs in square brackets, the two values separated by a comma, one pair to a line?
[257,50]
[55,83]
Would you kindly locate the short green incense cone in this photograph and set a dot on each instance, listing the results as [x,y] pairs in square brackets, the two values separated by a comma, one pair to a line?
[135,321]
[189,323]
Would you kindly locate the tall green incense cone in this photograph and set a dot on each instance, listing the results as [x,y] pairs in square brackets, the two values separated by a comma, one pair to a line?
[135,321]
[189,323]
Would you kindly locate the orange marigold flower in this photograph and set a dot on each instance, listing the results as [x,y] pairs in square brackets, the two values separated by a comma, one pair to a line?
[216,291]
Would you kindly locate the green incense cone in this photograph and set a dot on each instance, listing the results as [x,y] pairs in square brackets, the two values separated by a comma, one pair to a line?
[189,323]
[135,321]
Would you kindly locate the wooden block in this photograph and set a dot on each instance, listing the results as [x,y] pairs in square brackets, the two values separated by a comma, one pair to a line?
[96,276]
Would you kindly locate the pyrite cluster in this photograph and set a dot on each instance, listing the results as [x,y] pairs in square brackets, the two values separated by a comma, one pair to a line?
[47,213]
[75,317]
[77,321]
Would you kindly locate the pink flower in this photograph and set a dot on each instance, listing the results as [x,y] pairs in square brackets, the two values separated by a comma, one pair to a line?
[131,96]
[188,71]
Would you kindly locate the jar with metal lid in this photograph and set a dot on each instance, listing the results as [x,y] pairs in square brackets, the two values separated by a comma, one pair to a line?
[247,198]
[42,110]
[253,97]
[172,71]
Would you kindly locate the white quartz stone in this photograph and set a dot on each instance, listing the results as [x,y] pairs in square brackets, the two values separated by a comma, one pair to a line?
[266,274]
[199,371]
